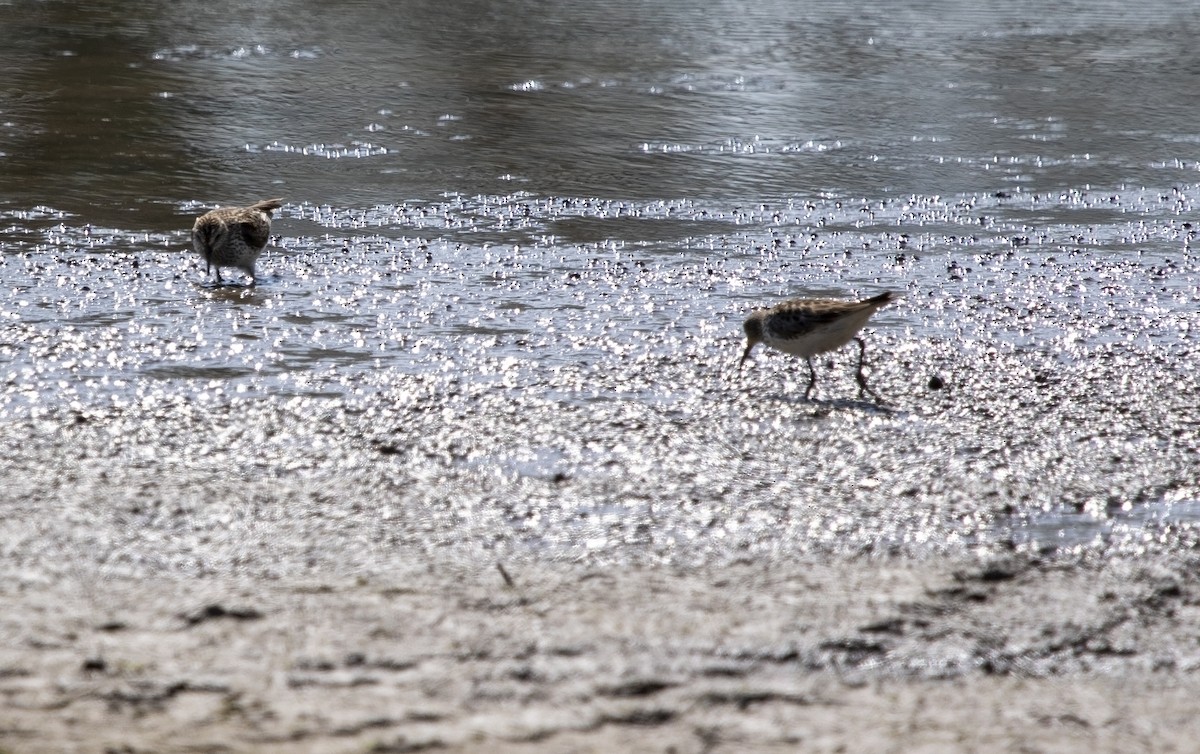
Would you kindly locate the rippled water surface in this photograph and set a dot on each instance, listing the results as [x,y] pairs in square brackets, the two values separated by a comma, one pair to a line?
[519,240]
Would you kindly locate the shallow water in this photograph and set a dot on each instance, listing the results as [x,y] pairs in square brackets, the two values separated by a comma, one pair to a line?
[540,228]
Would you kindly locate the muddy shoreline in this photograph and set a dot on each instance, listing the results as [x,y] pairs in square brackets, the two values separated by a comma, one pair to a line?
[467,469]
[401,575]
[1006,653]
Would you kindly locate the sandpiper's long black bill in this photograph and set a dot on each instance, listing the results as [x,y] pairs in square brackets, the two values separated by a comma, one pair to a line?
[745,355]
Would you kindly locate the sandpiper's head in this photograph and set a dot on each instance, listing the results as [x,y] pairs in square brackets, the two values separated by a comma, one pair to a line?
[205,235]
[204,239]
[753,327]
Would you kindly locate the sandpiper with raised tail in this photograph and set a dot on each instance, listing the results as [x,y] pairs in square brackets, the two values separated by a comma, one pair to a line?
[234,236]
[807,327]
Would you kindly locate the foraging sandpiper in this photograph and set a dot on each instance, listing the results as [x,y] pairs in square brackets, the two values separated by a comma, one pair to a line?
[807,327]
[234,236]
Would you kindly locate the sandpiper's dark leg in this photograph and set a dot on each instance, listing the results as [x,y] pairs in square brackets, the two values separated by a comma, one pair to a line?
[812,378]
[862,378]
[218,269]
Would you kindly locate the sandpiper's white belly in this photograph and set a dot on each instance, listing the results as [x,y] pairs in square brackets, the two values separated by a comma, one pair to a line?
[826,337]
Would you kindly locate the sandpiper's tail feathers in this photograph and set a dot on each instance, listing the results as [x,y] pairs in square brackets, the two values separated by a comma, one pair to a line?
[266,205]
[886,297]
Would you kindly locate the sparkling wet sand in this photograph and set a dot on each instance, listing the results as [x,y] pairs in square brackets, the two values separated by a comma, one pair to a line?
[189,577]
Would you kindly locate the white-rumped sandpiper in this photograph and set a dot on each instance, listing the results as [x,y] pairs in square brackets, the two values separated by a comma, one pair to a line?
[807,327]
[234,236]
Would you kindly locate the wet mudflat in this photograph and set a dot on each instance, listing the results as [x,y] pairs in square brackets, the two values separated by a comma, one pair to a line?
[471,466]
